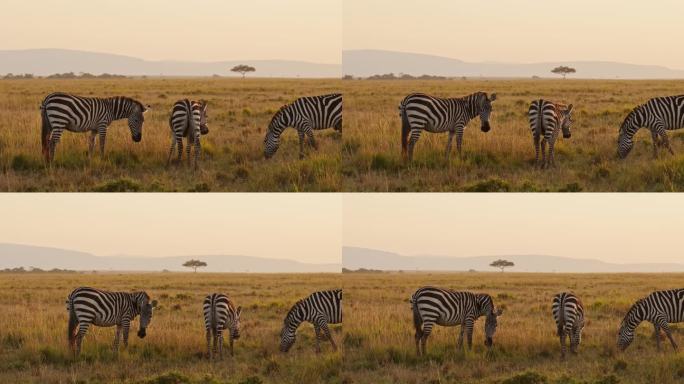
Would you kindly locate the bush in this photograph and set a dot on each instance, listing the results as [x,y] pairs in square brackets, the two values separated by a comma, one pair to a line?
[25,163]
[529,377]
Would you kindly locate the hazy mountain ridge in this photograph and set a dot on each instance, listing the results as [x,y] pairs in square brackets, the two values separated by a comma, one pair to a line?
[17,255]
[42,62]
[364,63]
[355,258]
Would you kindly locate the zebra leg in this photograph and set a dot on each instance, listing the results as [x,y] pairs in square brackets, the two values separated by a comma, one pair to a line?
[418,336]
[469,333]
[655,140]
[91,144]
[562,343]
[666,327]
[328,335]
[180,151]
[415,135]
[219,340]
[552,160]
[301,143]
[173,148]
[317,329]
[536,150]
[666,142]
[459,343]
[54,139]
[82,329]
[574,340]
[102,132]
[448,147]
[656,334]
[231,340]
[198,148]
[188,148]
[543,153]
[209,338]
[126,324]
[117,337]
[312,140]
[459,141]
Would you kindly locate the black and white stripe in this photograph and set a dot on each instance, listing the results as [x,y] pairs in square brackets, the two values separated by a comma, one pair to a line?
[546,120]
[660,308]
[420,112]
[659,115]
[61,111]
[188,119]
[220,314]
[306,115]
[89,306]
[568,312]
[436,306]
[320,309]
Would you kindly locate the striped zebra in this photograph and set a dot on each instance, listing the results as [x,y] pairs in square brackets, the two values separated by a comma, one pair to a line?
[660,308]
[432,305]
[420,112]
[188,119]
[568,312]
[320,309]
[220,314]
[88,306]
[305,114]
[659,115]
[546,118]
[61,111]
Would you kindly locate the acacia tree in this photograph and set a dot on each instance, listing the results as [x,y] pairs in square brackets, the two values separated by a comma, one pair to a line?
[194,264]
[243,69]
[563,70]
[502,264]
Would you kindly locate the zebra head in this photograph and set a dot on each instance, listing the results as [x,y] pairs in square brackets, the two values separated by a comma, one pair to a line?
[484,109]
[626,333]
[204,128]
[144,306]
[566,121]
[288,334]
[136,120]
[234,325]
[280,121]
[490,326]
[627,130]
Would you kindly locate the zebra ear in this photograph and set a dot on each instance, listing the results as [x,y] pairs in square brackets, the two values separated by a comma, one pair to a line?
[147,108]
[154,303]
[239,311]
[492,97]
[569,110]
[498,312]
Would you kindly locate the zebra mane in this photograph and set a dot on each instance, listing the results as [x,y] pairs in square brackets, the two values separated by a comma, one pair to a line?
[290,313]
[278,114]
[630,116]
[633,311]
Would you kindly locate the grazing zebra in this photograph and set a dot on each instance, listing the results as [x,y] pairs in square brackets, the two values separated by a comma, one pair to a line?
[660,308]
[188,119]
[444,307]
[320,309]
[420,112]
[88,306]
[659,115]
[546,118]
[568,312]
[219,314]
[61,111]
[306,115]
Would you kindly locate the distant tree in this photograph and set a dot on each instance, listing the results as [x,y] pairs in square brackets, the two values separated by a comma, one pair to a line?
[194,264]
[563,70]
[501,264]
[243,69]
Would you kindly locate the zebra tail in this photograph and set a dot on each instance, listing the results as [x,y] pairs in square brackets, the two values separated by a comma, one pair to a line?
[405,130]
[45,130]
[417,319]
[212,317]
[73,322]
[540,120]
[561,317]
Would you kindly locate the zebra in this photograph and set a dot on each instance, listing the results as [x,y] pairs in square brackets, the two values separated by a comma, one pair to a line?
[432,305]
[568,312]
[88,306]
[659,115]
[219,314]
[320,309]
[420,112]
[188,119]
[306,114]
[61,111]
[546,118]
[660,308]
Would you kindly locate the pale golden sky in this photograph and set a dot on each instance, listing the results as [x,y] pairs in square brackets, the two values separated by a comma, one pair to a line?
[621,228]
[639,32]
[303,227]
[204,30]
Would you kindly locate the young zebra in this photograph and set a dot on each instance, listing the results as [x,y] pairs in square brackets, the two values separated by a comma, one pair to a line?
[546,118]
[432,305]
[659,115]
[320,309]
[219,314]
[188,119]
[88,306]
[420,112]
[660,308]
[568,312]
[61,111]
[306,115]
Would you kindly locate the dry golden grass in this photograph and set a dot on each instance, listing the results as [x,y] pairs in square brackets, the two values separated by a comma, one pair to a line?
[239,113]
[503,159]
[33,331]
[379,332]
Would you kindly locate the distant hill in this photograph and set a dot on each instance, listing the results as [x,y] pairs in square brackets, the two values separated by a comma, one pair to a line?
[356,258]
[44,62]
[365,63]
[16,255]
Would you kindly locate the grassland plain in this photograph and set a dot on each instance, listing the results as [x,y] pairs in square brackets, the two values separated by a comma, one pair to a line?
[34,349]
[379,332]
[503,159]
[239,114]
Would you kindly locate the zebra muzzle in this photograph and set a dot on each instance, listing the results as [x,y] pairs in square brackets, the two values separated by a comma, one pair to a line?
[142,333]
[485,127]
[489,342]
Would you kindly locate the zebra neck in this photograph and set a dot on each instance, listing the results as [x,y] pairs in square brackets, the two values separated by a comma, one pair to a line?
[120,107]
